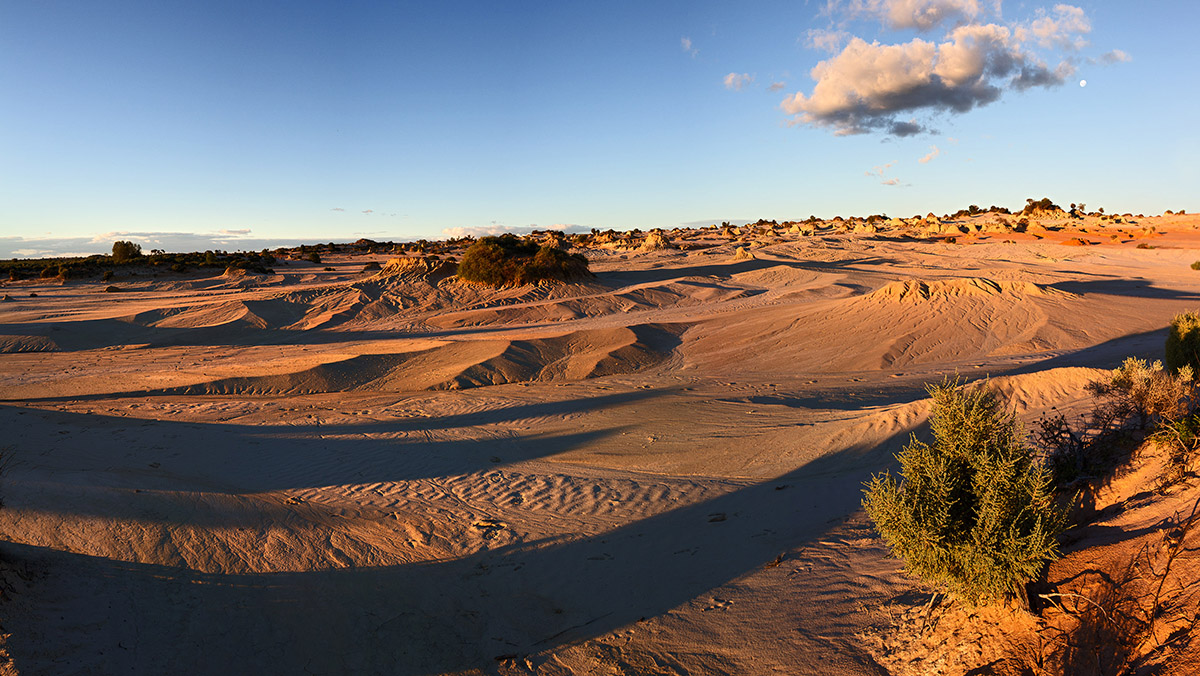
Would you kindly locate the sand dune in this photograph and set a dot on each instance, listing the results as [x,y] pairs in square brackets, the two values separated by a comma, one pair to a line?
[471,363]
[656,471]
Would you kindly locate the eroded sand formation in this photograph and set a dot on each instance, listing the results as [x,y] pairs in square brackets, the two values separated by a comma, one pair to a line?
[655,471]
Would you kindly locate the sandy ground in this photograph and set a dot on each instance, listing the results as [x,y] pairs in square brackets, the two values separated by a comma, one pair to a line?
[658,471]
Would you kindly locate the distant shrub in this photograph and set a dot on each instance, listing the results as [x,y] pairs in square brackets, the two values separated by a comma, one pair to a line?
[314,257]
[1044,204]
[974,510]
[123,251]
[507,260]
[108,275]
[372,266]
[1183,341]
[1196,265]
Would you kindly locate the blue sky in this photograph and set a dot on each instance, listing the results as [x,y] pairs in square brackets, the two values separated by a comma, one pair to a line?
[250,124]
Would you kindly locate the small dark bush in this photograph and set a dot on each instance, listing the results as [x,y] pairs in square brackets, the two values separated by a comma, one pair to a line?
[507,261]
[372,266]
[108,275]
[314,257]
[973,511]
[1196,265]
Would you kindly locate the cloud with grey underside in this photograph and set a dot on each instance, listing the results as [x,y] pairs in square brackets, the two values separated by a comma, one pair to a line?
[894,89]
[224,240]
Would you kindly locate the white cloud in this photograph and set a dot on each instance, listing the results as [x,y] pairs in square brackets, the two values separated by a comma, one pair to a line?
[878,170]
[933,152]
[686,45]
[921,15]
[864,87]
[776,87]
[736,81]
[44,247]
[1063,29]
[891,181]
[826,40]
[1111,57]
[895,88]
[498,229]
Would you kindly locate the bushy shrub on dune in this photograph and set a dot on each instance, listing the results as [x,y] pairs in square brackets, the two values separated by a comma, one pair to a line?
[510,261]
[123,251]
[1183,342]
[974,511]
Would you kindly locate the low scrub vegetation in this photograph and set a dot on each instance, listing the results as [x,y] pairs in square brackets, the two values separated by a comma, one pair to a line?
[509,261]
[1183,342]
[973,511]
[127,257]
[1137,401]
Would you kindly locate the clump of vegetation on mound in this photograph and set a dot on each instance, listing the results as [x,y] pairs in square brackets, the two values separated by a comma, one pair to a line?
[975,210]
[1183,341]
[1136,399]
[510,261]
[1044,205]
[974,511]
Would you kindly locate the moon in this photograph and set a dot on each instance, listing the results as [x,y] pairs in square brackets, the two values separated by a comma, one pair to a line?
[1083,83]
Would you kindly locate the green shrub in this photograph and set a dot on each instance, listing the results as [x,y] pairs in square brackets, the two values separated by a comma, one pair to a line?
[507,261]
[314,257]
[1196,265]
[1183,342]
[974,510]
[123,251]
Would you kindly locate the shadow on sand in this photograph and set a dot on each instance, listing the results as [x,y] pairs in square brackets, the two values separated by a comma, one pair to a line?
[471,613]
